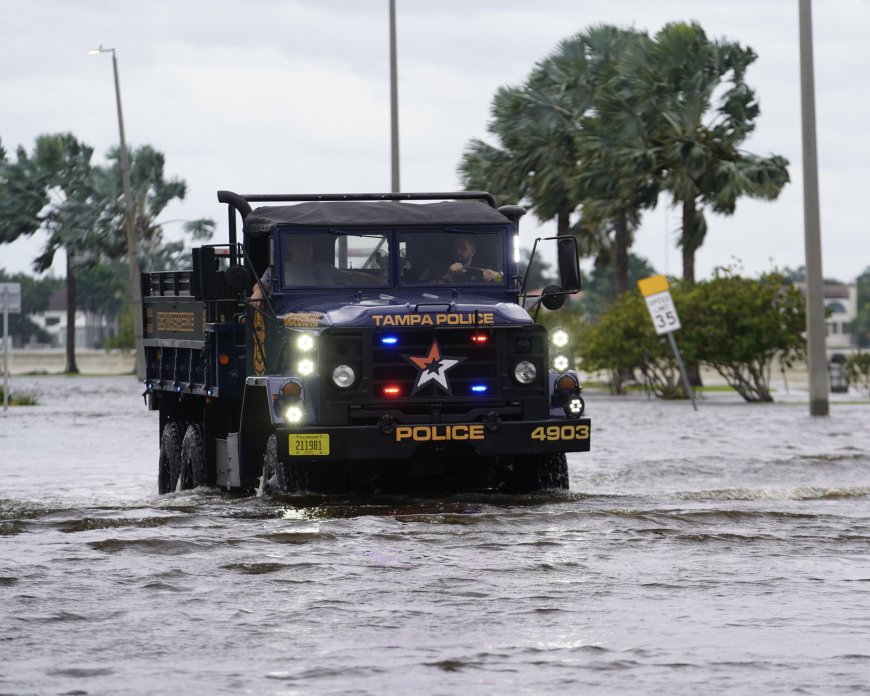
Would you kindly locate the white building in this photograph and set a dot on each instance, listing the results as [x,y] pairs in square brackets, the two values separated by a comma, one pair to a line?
[842,304]
[89,329]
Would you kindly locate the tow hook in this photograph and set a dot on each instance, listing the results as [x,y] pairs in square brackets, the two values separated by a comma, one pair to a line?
[492,421]
[386,424]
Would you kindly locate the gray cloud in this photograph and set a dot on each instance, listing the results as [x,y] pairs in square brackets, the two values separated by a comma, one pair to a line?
[290,96]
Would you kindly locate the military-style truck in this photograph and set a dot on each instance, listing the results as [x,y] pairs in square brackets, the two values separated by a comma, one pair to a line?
[362,340]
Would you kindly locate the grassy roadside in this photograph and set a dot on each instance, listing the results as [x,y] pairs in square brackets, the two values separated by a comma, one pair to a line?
[20,398]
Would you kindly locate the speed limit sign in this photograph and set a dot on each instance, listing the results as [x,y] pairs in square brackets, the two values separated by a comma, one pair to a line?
[659,303]
[665,319]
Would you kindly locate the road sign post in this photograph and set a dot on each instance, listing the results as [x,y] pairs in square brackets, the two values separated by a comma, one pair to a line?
[10,301]
[665,319]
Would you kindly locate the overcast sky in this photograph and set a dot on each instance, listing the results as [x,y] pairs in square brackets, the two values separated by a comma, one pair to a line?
[292,96]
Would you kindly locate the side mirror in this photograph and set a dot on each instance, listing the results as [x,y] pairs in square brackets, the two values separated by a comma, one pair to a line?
[552,297]
[569,264]
[237,279]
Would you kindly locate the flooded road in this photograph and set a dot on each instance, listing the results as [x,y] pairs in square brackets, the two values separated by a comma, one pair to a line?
[724,551]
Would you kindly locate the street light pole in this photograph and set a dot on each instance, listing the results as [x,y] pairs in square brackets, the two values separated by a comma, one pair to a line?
[817,358]
[394,101]
[129,224]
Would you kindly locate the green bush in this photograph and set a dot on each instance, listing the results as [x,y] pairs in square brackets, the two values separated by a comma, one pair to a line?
[124,338]
[19,398]
[739,325]
[624,341]
[857,370]
[736,325]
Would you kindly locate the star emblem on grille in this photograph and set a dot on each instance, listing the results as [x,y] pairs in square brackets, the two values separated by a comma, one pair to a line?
[433,367]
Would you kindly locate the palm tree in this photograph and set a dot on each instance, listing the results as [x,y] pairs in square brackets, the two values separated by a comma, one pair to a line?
[617,177]
[560,153]
[152,192]
[50,190]
[692,94]
[81,207]
[536,159]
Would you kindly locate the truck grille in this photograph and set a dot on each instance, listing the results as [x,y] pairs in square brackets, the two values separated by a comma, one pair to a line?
[479,383]
[478,366]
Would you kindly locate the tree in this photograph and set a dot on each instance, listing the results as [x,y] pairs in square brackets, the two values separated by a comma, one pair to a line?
[540,273]
[860,325]
[81,208]
[50,190]
[35,295]
[534,162]
[623,341]
[699,110]
[102,292]
[152,192]
[617,177]
[562,149]
[857,370]
[739,325]
[536,158]
[736,325]
[599,287]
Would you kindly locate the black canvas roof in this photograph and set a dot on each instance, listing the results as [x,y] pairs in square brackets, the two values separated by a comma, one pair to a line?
[371,213]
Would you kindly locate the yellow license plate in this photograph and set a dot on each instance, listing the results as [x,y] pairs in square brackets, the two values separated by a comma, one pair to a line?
[309,444]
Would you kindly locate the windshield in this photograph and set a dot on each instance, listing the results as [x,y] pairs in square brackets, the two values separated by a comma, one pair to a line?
[334,257]
[453,255]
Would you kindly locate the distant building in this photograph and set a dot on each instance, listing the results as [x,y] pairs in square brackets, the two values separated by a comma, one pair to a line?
[90,330]
[842,302]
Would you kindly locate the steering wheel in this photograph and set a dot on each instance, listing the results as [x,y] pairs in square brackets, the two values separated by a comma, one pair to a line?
[469,274]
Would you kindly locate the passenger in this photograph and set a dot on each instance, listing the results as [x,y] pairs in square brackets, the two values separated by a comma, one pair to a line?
[265,283]
[301,269]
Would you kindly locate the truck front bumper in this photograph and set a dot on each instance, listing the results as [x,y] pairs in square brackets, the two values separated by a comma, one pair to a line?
[407,441]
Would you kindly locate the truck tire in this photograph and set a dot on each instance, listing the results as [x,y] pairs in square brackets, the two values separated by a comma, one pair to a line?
[169,465]
[535,472]
[289,478]
[193,472]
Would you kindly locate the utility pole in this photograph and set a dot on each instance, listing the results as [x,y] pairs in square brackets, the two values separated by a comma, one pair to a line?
[817,356]
[130,225]
[394,101]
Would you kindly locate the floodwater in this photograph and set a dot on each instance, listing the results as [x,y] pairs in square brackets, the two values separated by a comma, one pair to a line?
[723,551]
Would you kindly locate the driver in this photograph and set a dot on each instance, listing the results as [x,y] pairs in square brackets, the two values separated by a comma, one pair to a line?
[464,250]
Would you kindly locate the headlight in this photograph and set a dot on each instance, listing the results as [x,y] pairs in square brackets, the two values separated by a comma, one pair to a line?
[343,376]
[574,407]
[305,342]
[305,367]
[559,338]
[525,372]
[293,414]
[561,363]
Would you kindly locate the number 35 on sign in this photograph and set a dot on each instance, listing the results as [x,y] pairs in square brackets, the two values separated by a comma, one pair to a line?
[659,303]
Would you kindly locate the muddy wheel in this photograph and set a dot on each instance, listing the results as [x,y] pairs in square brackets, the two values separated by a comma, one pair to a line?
[193,471]
[169,466]
[535,472]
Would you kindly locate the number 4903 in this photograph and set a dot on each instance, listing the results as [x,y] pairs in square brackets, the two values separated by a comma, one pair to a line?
[561,432]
